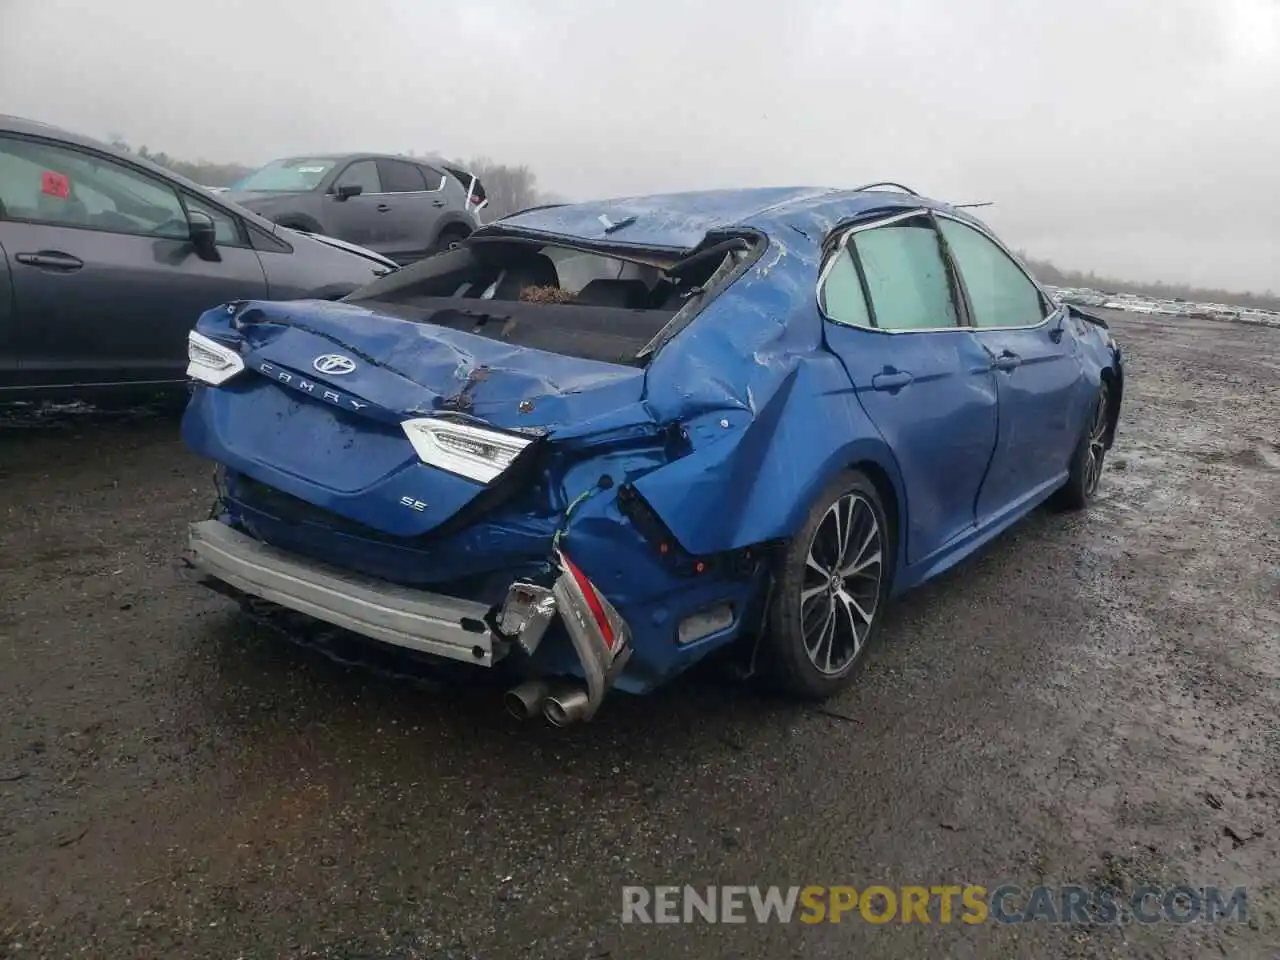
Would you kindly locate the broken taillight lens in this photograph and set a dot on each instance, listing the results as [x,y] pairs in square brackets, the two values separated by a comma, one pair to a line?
[595,603]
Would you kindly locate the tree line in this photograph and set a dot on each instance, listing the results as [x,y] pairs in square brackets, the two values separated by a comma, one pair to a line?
[512,188]
[1046,272]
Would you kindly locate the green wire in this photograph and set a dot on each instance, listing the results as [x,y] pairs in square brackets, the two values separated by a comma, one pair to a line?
[573,505]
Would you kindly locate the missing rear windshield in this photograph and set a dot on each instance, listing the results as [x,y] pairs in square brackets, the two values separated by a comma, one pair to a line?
[583,303]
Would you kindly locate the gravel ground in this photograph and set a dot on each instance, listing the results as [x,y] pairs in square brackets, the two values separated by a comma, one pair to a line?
[1093,699]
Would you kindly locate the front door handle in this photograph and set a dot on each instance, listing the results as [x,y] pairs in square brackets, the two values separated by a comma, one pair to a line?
[891,380]
[51,260]
[383,207]
[1006,361]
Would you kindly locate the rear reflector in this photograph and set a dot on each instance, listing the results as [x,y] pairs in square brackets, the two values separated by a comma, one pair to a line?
[705,622]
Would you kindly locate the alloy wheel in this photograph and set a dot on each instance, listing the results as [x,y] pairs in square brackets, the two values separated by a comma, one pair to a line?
[1097,446]
[841,585]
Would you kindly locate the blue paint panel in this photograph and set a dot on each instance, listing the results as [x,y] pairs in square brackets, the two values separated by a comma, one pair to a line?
[940,425]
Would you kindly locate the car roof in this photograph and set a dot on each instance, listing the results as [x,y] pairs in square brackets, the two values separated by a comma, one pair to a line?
[360,155]
[35,128]
[682,220]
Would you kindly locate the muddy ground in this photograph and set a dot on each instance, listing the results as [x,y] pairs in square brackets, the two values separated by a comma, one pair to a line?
[1094,699]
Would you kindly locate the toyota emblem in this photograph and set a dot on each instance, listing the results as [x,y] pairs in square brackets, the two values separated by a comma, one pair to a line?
[333,364]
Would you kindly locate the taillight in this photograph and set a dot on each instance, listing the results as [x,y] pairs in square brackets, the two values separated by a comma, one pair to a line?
[476,453]
[210,361]
[595,602]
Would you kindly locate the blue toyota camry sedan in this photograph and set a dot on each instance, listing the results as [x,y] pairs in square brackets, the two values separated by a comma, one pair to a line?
[595,442]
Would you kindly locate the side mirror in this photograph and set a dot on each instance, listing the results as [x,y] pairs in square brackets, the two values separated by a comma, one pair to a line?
[203,234]
[345,191]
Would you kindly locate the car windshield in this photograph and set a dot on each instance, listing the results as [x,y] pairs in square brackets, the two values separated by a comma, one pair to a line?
[286,176]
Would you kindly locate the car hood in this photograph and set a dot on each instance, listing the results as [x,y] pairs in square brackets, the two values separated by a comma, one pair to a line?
[343,245]
[248,198]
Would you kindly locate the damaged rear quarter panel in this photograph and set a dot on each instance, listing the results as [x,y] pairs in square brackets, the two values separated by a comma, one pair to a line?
[755,360]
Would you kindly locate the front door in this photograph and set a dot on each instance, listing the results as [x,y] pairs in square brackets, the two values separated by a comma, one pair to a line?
[364,219]
[1036,369]
[922,377]
[106,283]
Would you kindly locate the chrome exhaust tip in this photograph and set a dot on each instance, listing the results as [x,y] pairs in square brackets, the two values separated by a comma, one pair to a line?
[566,704]
[526,700]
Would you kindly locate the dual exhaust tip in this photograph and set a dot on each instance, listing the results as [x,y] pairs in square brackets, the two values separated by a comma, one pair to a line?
[562,703]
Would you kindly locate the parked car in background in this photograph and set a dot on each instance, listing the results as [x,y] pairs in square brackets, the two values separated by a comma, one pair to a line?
[107,260]
[403,208]
[598,441]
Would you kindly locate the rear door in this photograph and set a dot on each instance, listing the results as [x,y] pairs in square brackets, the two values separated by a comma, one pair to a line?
[895,320]
[1037,371]
[417,201]
[106,283]
[364,218]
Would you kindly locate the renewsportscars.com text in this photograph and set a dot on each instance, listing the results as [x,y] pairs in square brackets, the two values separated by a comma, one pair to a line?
[946,903]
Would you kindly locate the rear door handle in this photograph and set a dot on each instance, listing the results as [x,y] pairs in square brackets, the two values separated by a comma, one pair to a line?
[1006,361]
[891,380]
[51,260]
[437,203]
[383,207]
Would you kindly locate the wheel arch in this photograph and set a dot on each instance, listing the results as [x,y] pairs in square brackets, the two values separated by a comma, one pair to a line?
[453,223]
[1113,377]
[711,513]
[298,221]
[890,499]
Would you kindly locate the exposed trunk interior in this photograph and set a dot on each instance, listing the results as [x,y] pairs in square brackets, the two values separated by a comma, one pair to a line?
[581,303]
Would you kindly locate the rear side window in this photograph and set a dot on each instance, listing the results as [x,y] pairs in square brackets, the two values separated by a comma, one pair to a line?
[400,177]
[434,177]
[906,277]
[842,297]
[999,292]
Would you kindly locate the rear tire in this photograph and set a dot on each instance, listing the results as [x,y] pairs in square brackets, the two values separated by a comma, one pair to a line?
[832,584]
[448,237]
[1086,463]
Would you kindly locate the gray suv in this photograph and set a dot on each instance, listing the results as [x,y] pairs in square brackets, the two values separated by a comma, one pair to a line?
[403,208]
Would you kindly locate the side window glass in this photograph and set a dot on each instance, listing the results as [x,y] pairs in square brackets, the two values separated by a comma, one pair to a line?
[226,230]
[64,187]
[363,173]
[434,178]
[400,177]
[906,277]
[999,292]
[842,297]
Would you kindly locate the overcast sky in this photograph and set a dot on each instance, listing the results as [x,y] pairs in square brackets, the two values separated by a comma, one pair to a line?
[1141,139]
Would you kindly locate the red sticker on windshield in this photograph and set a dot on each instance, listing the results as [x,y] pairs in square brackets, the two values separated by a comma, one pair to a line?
[55,184]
